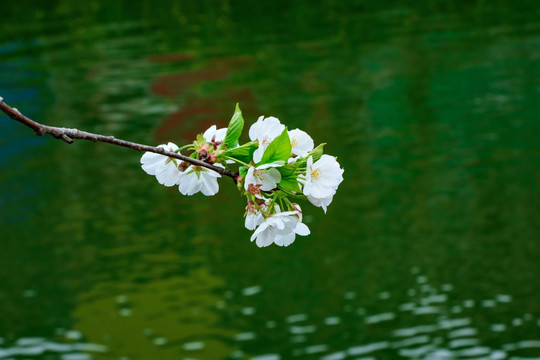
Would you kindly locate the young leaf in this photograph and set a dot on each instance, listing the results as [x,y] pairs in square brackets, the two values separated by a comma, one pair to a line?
[234,129]
[289,169]
[243,153]
[289,183]
[242,170]
[317,152]
[200,139]
[278,150]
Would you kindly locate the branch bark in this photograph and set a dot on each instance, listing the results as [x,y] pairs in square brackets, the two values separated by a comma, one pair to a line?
[68,135]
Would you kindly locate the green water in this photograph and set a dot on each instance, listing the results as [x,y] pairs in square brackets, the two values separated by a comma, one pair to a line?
[430,250]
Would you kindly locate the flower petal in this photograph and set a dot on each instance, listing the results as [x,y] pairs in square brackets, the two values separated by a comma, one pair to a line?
[285,240]
[270,179]
[279,224]
[220,134]
[259,230]
[189,185]
[264,130]
[308,187]
[271,165]
[209,133]
[153,163]
[321,202]
[168,174]
[319,191]
[272,127]
[213,173]
[150,161]
[266,238]
[213,133]
[209,184]
[150,169]
[172,147]
[301,142]
[255,129]
[258,154]
[301,229]
[309,168]
[253,220]
[250,178]
[150,158]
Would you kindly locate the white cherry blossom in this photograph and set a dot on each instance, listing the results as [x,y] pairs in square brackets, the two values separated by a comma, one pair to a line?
[162,167]
[196,178]
[300,229]
[301,142]
[266,175]
[254,217]
[215,134]
[288,239]
[321,202]
[322,178]
[265,130]
[280,228]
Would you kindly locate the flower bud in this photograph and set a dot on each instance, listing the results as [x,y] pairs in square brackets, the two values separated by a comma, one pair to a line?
[214,142]
[203,151]
[254,189]
[298,209]
[183,166]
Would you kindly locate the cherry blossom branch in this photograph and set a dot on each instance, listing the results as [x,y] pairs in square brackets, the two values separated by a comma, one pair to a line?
[68,135]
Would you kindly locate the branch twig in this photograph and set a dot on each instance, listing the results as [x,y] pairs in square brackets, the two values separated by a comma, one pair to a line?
[68,135]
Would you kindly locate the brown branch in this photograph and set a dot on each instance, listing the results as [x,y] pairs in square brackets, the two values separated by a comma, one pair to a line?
[68,135]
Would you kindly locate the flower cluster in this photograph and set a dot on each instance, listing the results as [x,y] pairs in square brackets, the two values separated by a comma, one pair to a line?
[275,166]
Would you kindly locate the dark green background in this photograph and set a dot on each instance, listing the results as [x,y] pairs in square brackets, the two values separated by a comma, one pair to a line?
[430,249]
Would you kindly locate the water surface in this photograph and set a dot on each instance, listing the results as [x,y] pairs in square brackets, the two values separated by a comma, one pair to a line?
[430,249]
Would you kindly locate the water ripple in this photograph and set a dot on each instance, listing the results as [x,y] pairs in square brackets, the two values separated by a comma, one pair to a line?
[35,346]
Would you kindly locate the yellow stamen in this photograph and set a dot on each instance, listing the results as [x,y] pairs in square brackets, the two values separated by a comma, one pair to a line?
[258,174]
[316,174]
[294,142]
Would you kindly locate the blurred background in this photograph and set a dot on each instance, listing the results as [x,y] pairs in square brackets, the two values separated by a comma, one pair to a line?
[430,250]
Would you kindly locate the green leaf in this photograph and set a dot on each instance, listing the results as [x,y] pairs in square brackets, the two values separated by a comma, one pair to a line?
[242,170]
[317,152]
[234,130]
[288,170]
[298,196]
[200,139]
[243,153]
[279,149]
[289,183]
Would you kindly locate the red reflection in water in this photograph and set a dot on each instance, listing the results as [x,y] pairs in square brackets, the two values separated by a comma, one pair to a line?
[199,113]
[171,57]
[173,85]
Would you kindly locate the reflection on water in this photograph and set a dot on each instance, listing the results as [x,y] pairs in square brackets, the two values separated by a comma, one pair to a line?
[434,323]
[180,318]
[431,107]
[66,346]
[177,316]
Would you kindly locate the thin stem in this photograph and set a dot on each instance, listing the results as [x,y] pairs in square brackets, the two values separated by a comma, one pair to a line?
[272,206]
[185,147]
[236,160]
[248,144]
[287,204]
[68,135]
